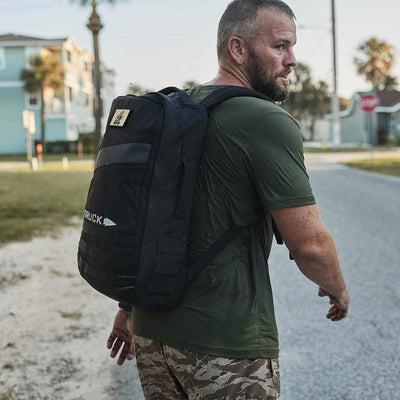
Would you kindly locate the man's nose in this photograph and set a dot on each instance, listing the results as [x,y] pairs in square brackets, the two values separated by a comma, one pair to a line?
[290,59]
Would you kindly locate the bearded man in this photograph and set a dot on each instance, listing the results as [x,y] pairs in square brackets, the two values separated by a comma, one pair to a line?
[221,341]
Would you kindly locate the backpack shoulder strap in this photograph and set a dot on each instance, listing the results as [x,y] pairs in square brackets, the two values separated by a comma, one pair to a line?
[210,254]
[215,98]
[227,92]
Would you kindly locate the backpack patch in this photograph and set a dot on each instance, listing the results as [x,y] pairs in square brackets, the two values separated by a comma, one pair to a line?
[119,117]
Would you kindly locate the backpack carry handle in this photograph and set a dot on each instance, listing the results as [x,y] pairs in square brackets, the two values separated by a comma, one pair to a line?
[170,89]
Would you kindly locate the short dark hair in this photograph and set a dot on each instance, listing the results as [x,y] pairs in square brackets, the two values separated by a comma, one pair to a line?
[240,19]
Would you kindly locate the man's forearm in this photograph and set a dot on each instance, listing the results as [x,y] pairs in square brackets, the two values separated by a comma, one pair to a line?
[319,262]
[311,246]
[313,249]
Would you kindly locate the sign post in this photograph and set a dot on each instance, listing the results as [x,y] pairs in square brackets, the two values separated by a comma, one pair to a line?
[28,118]
[368,103]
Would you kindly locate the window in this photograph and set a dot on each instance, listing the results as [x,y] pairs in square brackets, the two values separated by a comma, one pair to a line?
[2,58]
[56,105]
[69,56]
[71,95]
[33,100]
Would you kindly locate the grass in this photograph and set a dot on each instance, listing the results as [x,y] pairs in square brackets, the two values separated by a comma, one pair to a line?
[77,315]
[38,203]
[8,395]
[389,166]
[47,157]
[13,279]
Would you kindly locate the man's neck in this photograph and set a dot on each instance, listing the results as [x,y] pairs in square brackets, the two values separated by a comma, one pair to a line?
[230,76]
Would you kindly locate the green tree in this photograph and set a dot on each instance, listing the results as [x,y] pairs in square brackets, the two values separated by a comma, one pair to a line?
[190,84]
[138,90]
[300,77]
[390,83]
[95,26]
[45,72]
[307,100]
[374,61]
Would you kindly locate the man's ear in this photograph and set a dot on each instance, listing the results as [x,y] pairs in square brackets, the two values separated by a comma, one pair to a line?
[237,49]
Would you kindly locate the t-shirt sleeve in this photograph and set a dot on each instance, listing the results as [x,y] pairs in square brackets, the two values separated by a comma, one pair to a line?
[277,163]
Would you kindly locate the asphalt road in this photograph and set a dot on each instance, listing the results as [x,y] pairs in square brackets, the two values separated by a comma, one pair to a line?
[358,358]
[354,359]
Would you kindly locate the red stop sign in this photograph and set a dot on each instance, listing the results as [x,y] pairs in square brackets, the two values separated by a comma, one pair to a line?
[368,102]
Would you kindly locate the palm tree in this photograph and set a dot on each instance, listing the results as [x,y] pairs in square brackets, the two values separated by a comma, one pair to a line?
[138,90]
[95,26]
[190,84]
[307,100]
[45,72]
[390,83]
[375,61]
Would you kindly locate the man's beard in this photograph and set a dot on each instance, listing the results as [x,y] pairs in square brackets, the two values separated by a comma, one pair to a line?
[261,82]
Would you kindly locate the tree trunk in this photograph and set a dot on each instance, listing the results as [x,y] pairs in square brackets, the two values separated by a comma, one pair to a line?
[95,26]
[43,121]
[97,99]
[312,127]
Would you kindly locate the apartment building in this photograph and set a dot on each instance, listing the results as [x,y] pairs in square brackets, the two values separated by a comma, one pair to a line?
[69,110]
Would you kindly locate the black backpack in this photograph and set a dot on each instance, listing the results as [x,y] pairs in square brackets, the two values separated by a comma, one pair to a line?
[136,221]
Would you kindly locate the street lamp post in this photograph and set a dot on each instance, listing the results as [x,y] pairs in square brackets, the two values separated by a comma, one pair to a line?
[335,100]
[95,26]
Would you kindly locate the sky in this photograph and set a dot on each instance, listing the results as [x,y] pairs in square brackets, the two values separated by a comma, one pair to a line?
[159,43]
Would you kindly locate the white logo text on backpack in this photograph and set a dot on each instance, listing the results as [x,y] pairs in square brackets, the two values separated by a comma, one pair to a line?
[98,219]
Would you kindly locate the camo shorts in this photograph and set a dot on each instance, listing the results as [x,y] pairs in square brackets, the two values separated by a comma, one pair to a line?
[168,373]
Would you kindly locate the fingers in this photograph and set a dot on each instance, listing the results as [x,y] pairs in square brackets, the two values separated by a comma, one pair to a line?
[336,314]
[111,340]
[115,349]
[115,343]
[125,354]
[322,292]
[121,338]
[132,350]
[340,306]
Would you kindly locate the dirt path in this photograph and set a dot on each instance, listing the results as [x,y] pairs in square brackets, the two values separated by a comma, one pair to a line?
[54,327]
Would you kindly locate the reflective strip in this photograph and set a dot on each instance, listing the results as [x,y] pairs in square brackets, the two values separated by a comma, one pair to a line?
[126,153]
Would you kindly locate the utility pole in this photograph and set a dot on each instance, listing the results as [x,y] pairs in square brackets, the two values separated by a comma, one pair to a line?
[335,99]
[95,25]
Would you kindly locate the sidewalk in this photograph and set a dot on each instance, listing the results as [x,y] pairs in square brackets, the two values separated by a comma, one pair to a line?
[310,158]
[6,165]
[339,157]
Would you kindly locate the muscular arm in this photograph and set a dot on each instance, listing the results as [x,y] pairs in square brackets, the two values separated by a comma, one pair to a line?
[314,251]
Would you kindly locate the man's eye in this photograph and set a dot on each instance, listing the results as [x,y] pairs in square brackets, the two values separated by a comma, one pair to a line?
[280,46]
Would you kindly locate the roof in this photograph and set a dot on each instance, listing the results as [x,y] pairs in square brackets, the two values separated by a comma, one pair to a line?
[13,36]
[389,102]
[16,39]
[388,98]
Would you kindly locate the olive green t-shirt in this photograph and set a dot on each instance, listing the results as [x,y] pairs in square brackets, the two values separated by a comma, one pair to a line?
[252,163]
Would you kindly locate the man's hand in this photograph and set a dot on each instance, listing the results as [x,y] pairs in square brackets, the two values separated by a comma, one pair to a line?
[340,304]
[122,334]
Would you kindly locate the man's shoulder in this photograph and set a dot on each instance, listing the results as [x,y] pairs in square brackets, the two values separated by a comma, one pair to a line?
[251,107]
[256,105]
[247,114]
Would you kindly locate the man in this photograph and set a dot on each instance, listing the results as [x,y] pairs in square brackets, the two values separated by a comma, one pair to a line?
[221,341]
